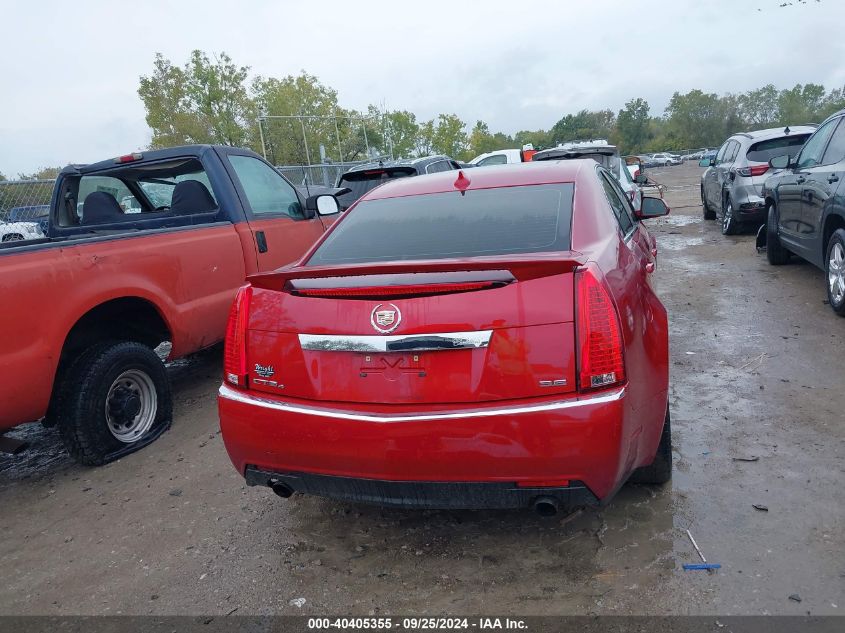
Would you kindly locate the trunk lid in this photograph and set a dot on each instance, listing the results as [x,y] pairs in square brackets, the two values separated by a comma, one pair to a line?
[444,331]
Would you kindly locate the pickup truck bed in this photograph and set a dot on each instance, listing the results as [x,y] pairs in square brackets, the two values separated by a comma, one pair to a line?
[86,305]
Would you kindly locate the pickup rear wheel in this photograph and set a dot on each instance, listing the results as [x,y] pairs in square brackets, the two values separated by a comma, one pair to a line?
[660,470]
[115,399]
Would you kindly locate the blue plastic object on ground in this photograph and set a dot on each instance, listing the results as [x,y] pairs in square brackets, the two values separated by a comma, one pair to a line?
[689,566]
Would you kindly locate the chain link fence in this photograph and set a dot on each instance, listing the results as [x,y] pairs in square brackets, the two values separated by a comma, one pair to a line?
[323,175]
[24,209]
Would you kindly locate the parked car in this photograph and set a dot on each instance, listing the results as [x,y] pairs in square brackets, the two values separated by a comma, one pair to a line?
[413,358]
[30,213]
[676,159]
[96,297]
[362,178]
[662,159]
[20,231]
[504,157]
[607,156]
[805,206]
[731,187]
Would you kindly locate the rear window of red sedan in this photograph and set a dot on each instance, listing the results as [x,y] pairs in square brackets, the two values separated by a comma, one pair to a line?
[478,223]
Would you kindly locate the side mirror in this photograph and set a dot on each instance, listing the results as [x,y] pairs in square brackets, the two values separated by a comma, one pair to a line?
[780,162]
[652,208]
[323,204]
[641,179]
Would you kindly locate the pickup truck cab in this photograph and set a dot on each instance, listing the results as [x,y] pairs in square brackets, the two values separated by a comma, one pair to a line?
[140,250]
[504,157]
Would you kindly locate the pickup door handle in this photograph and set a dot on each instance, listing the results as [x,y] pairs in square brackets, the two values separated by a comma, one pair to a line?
[261,240]
[832,179]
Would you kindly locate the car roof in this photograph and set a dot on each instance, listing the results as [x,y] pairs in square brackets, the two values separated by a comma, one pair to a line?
[776,132]
[575,152]
[178,151]
[423,161]
[515,175]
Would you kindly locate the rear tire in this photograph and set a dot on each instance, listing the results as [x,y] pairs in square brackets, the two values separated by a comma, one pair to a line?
[729,224]
[775,252]
[835,269]
[709,214]
[660,470]
[115,400]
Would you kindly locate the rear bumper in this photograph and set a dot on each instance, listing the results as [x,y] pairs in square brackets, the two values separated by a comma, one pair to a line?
[432,495]
[399,456]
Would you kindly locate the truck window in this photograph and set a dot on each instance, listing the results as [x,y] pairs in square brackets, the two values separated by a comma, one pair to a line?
[266,191]
[498,159]
[112,186]
[159,189]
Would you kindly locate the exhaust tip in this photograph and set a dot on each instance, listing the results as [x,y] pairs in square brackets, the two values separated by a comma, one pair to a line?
[283,490]
[546,506]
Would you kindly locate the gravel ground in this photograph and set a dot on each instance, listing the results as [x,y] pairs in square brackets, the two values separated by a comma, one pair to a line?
[756,375]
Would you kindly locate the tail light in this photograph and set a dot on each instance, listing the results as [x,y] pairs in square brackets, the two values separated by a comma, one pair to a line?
[754,170]
[600,357]
[234,356]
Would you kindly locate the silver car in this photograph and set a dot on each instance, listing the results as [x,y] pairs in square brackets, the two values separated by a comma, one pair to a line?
[605,155]
[732,185]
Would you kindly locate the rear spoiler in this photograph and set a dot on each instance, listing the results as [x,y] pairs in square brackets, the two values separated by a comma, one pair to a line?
[520,268]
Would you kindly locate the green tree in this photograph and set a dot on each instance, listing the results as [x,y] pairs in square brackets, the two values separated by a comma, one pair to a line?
[695,119]
[425,139]
[481,140]
[44,173]
[633,125]
[448,136]
[539,139]
[203,102]
[297,141]
[759,108]
[585,125]
[400,133]
[801,104]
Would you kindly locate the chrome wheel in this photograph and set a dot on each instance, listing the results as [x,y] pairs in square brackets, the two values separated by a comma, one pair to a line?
[131,406]
[836,273]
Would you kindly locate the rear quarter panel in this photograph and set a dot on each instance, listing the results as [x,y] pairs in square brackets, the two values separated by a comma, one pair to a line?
[644,320]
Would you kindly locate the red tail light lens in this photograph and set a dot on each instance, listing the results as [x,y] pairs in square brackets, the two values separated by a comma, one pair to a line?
[234,356]
[600,357]
[754,170]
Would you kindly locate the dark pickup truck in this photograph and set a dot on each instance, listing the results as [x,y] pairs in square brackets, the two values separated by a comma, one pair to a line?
[139,250]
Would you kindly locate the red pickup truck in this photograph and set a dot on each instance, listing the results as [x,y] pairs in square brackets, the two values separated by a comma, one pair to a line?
[140,250]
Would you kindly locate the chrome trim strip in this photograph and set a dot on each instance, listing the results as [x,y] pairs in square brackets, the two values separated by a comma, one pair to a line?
[403,343]
[245,398]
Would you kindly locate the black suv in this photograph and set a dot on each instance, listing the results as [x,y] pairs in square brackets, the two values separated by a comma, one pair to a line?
[362,178]
[805,204]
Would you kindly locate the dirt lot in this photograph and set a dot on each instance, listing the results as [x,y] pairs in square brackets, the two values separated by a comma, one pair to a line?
[756,373]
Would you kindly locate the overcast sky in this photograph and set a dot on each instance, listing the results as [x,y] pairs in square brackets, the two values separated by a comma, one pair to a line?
[68,87]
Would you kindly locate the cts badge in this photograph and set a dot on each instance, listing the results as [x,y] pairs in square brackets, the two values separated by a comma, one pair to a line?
[385,318]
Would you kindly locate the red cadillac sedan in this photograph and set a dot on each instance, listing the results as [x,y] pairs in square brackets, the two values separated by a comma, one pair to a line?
[482,339]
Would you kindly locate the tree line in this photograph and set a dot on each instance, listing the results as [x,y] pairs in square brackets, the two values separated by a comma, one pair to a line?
[214,100]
